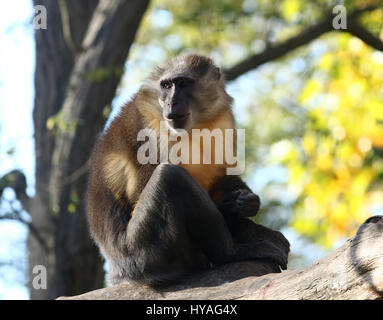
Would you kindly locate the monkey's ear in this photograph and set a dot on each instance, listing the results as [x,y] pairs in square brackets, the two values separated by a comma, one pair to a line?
[216,73]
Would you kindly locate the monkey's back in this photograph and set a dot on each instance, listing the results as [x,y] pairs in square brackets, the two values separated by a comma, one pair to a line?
[115,169]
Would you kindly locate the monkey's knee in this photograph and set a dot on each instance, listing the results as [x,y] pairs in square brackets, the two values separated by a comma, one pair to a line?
[168,169]
[167,174]
[254,241]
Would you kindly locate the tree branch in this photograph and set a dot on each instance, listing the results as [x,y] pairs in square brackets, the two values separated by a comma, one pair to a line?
[17,181]
[15,215]
[358,31]
[65,22]
[278,50]
[354,271]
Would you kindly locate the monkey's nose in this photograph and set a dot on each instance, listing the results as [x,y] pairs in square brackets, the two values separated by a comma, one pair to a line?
[174,105]
[177,116]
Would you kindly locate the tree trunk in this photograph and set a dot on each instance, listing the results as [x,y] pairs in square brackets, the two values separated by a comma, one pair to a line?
[83,39]
[354,271]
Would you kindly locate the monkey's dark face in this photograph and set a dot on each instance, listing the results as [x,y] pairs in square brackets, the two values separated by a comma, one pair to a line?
[190,92]
[177,100]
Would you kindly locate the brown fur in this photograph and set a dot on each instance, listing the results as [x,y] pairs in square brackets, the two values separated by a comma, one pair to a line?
[152,222]
[115,157]
[208,174]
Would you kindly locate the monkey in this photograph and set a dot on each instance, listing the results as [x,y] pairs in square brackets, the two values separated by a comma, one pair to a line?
[158,222]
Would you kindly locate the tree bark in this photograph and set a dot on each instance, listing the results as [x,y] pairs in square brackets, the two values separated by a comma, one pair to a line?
[354,271]
[83,39]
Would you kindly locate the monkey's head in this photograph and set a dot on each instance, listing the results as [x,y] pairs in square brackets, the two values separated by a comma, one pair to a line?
[190,90]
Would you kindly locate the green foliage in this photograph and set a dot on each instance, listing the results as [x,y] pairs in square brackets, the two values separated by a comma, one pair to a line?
[100,74]
[58,122]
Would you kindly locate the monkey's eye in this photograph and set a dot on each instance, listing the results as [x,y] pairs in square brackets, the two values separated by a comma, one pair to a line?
[166,84]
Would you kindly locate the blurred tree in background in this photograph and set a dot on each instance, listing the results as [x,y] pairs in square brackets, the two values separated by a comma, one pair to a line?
[311,99]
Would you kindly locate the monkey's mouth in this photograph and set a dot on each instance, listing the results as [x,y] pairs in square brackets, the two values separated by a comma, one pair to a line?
[178,121]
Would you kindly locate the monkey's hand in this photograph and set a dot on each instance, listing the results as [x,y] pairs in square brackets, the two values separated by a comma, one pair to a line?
[242,203]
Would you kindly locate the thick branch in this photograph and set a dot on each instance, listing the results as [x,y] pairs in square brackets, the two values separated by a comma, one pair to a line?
[51,79]
[354,271]
[311,33]
[358,31]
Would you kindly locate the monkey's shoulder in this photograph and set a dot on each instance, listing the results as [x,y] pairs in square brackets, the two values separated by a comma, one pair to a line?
[114,159]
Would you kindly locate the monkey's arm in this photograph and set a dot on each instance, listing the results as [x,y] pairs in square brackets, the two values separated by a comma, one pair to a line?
[237,202]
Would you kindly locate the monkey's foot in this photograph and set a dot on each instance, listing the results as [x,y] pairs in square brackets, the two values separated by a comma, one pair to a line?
[254,241]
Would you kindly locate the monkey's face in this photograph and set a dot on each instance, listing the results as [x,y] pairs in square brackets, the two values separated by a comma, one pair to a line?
[190,91]
[177,100]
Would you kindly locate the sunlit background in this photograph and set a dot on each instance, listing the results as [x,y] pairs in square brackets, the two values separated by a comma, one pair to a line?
[313,119]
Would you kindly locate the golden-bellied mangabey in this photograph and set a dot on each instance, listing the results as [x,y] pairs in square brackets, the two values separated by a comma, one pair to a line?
[156,222]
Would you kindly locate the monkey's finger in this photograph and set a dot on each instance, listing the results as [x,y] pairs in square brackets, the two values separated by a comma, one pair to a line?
[249,199]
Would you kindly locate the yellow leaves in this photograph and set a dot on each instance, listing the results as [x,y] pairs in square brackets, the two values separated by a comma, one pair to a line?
[309,143]
[377,58]
[339,132]
[318,119]
[340,216]
[311,205]
[377,139]
[375,108]
[374,17]
[296,174]
[356,89]
[304,226]
[356,45]
[331,208]
[324,161]
[344,151]
[341,172]
[290,9]
[361,181]
[282,151]
[355,161]
[326,61]
[364,144]
[312,88]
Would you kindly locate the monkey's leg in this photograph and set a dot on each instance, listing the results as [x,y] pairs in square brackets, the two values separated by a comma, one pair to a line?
[254,241]
[175,229]
[251,240]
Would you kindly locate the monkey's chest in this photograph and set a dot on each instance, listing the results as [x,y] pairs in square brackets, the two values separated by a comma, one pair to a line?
[207,167]
[206,157]
[205,174]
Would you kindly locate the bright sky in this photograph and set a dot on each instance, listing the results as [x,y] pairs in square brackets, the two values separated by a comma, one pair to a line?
[16,97]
